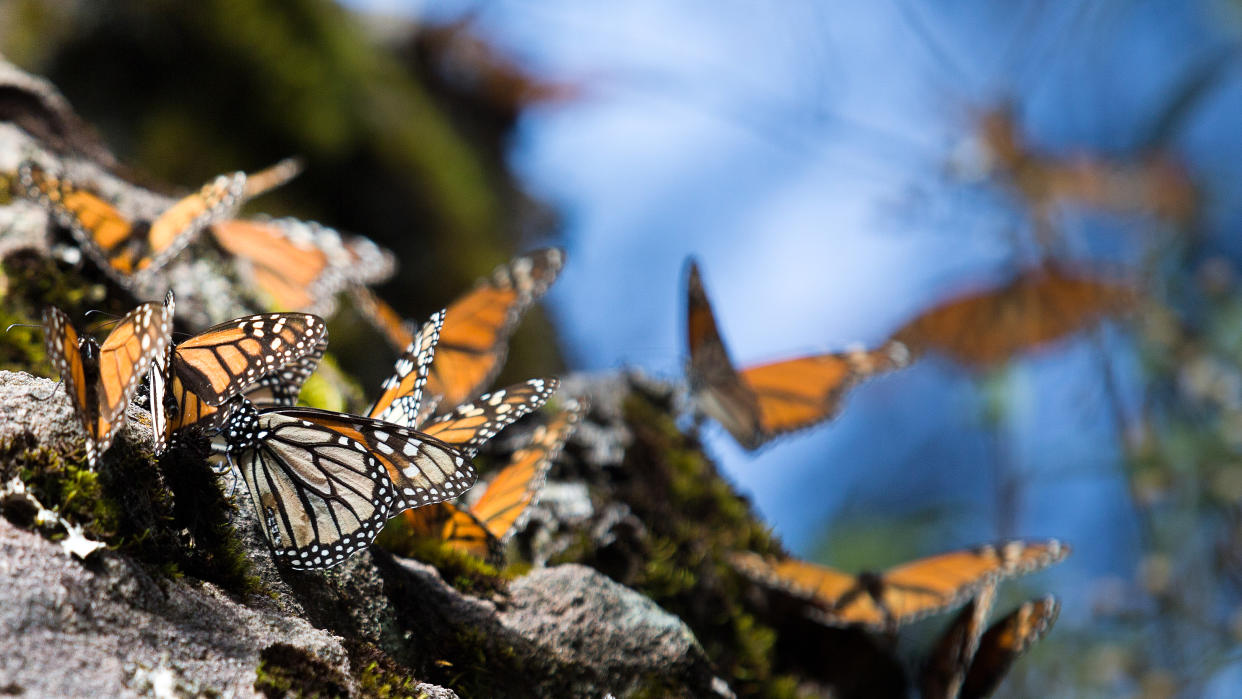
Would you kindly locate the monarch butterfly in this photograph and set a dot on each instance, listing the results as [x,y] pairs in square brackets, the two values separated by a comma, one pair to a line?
[485,526]
[323,484]
[474,340]
[1040,306]
[1005,641]
[265,357]
[129,250]
[950,658]
[101,379]
[906,593]
[759,403]
[301,265]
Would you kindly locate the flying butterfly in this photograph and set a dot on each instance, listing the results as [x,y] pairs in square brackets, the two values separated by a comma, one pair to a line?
[758,403]
[475,338]
[501,511]
[1005,641]
[128,249]
[1040,306]
[264,357]
[324,483]
[950,658]
[101,379]
[906,593]
[301,265]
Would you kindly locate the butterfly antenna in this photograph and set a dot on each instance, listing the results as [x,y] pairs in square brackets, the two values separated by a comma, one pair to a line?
[22,325]
[102,313]
[43,398]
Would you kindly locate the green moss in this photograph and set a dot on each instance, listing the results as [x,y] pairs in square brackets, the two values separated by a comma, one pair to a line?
[463,571]
[693,521]
[174,518]
[378,675]
[286,670]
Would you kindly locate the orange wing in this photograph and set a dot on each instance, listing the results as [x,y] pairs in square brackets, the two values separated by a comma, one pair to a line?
[127,248]
[402,398]
[759,403]
[503,508]
[470,425]
[477,326]
[301,265]
[799,393]
[1040,306]
[1005,641]
[905,593]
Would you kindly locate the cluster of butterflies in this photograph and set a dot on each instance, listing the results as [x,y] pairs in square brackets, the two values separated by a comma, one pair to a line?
[323,483]
[979,328]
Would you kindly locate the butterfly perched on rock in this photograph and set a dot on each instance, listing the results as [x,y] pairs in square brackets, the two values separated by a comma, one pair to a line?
[760,402]
[102,379]
[324,483]
[130,249]
[904,593]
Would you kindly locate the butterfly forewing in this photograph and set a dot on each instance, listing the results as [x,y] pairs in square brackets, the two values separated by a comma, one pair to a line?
[470,425]
[226,358]
[402,392]
[951,656]
[423,469]
[475,338]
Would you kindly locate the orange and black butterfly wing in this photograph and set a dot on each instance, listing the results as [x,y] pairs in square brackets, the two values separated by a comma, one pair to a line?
[1040,306]
[402,395]
[283,386]
[797,393]
[914,590]
[225,359]
[821,586]
[946,665]
[470,425]
[475,338]
[504,507]
[141,337]
[287,272]
[64,351]
[1005,641]
[423,469]
[717,388]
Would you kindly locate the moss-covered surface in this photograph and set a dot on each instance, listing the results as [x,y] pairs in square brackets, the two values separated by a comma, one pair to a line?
[172,516]
[692,520]
[379,676]
[465,572]
[288,671]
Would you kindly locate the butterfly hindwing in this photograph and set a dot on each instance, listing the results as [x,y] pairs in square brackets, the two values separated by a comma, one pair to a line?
[1007,640]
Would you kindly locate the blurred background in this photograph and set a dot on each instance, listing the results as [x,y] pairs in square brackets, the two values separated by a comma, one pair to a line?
[836,168]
